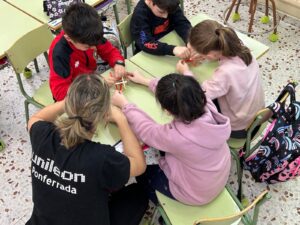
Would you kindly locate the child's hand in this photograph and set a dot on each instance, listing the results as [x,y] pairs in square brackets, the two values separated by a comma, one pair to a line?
[182,52]
[118,99]
[182,67]
[197,58]
[138,78]
[110,80]
[119,71]
[115,114]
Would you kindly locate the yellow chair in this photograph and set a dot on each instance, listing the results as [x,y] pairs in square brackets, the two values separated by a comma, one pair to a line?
[21,53]
[225,209]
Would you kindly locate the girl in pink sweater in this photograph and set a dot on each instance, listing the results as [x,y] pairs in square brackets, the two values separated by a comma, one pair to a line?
[196,164]
[235,85]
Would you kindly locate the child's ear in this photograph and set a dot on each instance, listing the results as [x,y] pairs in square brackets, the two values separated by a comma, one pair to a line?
[67,37]
[167,112]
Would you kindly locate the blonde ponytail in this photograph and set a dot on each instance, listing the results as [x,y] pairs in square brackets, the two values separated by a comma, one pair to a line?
[87,104]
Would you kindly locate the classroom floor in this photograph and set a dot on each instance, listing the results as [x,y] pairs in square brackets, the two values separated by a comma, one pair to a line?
[280,64]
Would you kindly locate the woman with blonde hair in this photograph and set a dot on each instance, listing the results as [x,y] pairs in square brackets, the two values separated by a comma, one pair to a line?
[75,180]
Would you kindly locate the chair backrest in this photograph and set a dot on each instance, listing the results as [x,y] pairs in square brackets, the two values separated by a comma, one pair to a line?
[28,47]
[257,126]
[124,31]
[233,218]
[181,5]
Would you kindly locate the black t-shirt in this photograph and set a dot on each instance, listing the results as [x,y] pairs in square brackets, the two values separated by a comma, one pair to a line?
[71,187]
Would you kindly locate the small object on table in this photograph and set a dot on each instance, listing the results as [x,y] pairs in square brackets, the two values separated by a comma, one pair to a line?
[187,60]
[119,85]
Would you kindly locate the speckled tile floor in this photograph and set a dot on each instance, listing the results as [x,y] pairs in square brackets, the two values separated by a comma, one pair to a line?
[280,64]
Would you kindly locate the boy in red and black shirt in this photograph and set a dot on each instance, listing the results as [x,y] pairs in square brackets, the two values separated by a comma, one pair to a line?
[74,51]
[152,19]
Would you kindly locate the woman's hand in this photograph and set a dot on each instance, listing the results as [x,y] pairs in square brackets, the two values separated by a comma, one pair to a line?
[182,67]
[118,99]
[138,78]
[115,114]
[110,80]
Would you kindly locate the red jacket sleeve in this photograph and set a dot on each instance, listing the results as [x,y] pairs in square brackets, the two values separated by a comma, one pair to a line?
[109,53]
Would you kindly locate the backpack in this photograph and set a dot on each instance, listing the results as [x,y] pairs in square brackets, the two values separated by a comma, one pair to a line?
[110,33]
[278,156]
[56,8]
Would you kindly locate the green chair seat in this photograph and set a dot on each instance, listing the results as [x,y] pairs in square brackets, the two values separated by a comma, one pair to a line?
[235,143]
[43,94]
[181,214]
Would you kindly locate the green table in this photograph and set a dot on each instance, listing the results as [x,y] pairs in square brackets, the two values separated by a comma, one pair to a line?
[142,97]
[34,8]
[14,24]
[159,66]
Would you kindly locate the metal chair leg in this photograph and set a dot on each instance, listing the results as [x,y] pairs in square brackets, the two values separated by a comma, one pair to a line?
[26,103]
[116,13]
[239,172]
[128,6]
[274,16]
[36,66]
[267,8]
[230,10]
[2,145]
[237,6]
[253,5]
[46,57]
[125,52]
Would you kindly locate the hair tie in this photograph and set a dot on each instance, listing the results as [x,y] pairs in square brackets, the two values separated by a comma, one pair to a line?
[87,125]
[75,117]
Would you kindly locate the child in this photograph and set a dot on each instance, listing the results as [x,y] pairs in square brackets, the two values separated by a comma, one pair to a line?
[196,164]
[73,51]
[77,181]
[235,84]
[152,19]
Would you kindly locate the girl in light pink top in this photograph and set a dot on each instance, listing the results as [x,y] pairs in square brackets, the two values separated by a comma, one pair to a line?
[196,164]
[235,84]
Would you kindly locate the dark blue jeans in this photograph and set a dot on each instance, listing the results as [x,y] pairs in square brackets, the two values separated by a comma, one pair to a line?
[154,179]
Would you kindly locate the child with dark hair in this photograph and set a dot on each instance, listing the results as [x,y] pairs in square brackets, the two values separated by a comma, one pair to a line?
[152,19]
[196,164]
[74,50]
[235,85]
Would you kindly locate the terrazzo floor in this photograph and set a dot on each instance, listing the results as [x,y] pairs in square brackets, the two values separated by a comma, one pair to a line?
[280,64]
